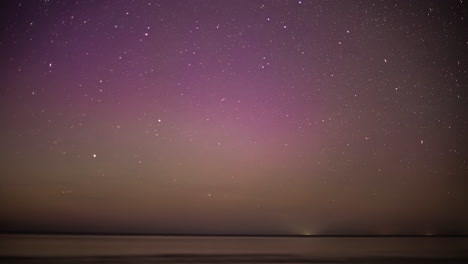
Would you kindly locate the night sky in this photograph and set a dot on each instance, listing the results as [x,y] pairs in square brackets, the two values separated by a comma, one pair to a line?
[234,117]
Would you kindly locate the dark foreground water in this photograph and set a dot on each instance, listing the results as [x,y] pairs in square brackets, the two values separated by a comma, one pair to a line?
[154,249]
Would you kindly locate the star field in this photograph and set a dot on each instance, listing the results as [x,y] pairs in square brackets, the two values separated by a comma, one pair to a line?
[253,117]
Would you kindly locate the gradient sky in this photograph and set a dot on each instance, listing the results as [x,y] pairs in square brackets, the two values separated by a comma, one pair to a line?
[223,116]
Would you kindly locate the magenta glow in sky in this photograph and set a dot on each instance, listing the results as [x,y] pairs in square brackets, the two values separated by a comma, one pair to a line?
[234,117]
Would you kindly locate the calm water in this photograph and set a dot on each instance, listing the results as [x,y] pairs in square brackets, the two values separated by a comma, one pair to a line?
[153,249]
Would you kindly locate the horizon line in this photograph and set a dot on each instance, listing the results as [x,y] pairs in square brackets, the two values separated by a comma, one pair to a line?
[222,235]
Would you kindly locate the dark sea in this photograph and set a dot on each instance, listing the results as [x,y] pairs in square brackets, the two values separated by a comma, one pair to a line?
[179,249]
